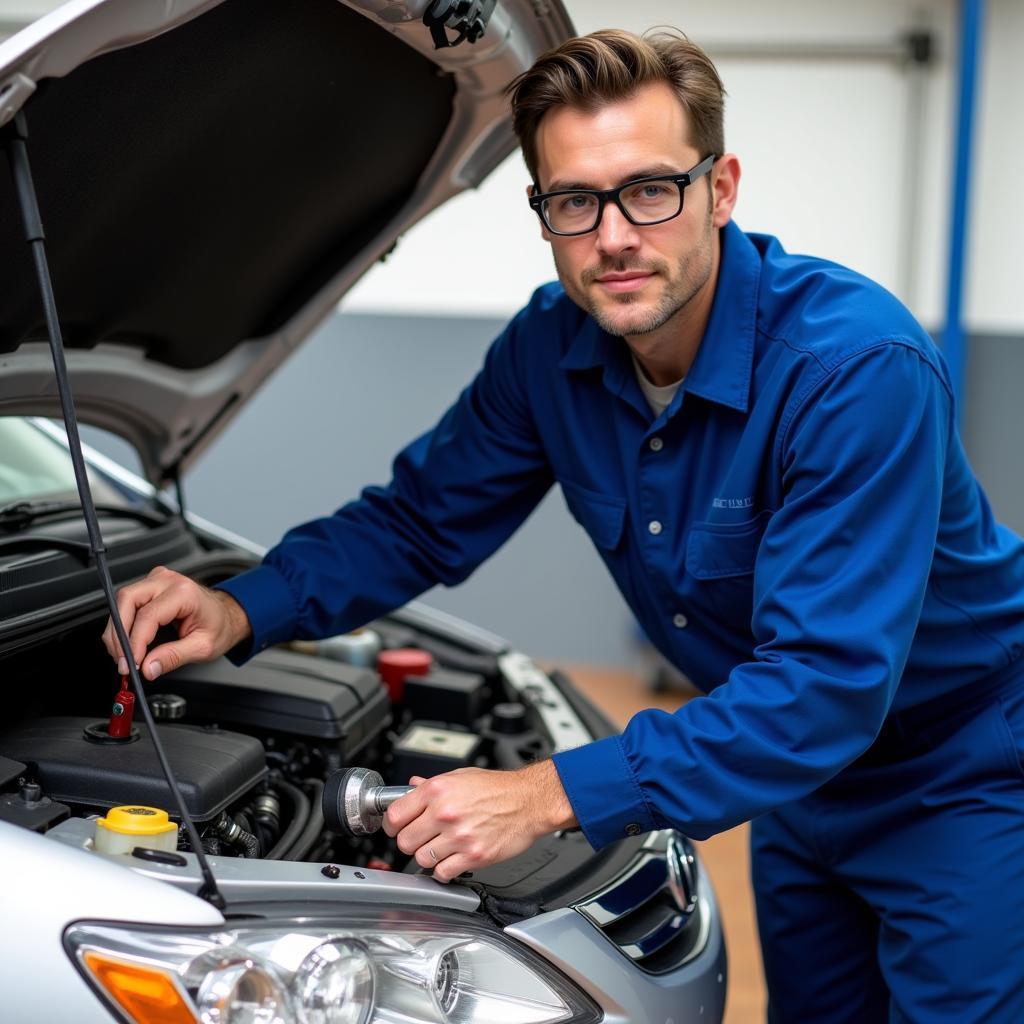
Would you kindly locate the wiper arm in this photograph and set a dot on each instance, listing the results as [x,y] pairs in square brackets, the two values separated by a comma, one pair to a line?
[20,513]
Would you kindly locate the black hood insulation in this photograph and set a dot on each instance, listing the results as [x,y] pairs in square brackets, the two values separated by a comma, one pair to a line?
[199,188]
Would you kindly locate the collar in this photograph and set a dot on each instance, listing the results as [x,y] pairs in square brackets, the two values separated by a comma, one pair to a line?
[722,369]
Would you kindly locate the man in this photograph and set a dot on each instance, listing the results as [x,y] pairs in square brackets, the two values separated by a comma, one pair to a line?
[763,449]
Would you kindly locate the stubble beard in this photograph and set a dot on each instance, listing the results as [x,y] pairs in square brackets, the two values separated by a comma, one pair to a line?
[692,272]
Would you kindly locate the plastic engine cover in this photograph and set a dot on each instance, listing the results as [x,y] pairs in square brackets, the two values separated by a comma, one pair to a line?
[213,768]
[284,692]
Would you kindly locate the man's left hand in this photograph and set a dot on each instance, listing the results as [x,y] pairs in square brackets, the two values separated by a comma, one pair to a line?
[470,818]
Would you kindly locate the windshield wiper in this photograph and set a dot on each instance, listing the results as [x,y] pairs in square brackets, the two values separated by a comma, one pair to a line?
[20,513]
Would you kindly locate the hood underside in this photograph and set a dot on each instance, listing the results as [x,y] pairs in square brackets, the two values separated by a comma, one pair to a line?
[209,191]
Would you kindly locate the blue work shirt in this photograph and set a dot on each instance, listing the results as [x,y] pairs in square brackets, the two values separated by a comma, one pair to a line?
[799,532]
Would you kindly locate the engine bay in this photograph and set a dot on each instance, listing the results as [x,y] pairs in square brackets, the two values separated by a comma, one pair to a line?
[252,747]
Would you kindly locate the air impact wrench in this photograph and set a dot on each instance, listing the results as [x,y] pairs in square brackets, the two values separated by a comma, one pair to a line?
[355,800]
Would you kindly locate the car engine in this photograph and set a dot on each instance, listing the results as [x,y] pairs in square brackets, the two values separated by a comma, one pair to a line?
[252,747]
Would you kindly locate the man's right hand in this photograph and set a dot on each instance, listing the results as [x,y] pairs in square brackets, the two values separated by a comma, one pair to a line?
[209,622]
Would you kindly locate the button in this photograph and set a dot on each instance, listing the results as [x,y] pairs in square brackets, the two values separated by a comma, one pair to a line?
[680,621]
[656,444]
[654,527]
[633,829]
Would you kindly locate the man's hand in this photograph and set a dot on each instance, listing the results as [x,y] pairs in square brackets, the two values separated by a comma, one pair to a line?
[209,622]
[470,818]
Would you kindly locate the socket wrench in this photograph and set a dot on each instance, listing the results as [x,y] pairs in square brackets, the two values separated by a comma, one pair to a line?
[355,800]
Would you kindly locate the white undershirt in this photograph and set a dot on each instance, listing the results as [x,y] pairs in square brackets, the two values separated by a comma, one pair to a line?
[658,398]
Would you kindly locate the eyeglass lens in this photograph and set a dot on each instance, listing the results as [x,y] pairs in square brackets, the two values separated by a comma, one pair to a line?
[645,202]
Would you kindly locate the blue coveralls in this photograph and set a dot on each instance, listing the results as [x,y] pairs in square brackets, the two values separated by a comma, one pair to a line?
[800,533]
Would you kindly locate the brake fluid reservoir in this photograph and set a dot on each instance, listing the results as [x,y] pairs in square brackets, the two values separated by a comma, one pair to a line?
[124,828]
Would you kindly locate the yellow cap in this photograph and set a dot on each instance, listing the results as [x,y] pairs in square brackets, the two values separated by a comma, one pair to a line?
[134,820]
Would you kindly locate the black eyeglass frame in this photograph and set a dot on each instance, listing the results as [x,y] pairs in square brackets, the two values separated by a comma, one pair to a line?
[614,195]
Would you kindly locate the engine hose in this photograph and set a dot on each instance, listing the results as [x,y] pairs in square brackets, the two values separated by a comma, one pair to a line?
[253,846]
[300,815]
[265,836]
[249,843]
[314,827]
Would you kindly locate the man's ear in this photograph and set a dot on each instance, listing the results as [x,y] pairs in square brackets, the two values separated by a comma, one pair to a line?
[531,190]
[725,183]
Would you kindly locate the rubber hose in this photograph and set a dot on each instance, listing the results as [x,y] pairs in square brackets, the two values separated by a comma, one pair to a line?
[315,825]
[300,815]
[248,840]
[249,843]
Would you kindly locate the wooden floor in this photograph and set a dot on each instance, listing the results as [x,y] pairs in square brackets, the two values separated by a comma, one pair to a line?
[620,694]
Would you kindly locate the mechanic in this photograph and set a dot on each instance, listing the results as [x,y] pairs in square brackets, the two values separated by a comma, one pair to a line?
[763,449]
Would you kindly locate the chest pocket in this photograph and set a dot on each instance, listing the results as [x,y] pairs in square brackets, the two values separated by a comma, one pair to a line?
[601,515]
[720,560]
[720,550]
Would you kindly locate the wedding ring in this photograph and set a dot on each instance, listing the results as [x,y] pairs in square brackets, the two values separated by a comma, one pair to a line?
[433,856]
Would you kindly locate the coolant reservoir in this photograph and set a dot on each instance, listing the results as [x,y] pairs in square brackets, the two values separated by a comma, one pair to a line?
[124,828]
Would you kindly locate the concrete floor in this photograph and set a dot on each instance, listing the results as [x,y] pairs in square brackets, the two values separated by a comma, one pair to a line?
[620,694]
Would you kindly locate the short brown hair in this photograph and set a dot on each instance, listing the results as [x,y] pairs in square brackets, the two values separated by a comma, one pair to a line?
[590,71]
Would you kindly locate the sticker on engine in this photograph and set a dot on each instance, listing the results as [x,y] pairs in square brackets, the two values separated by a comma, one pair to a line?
[424,740]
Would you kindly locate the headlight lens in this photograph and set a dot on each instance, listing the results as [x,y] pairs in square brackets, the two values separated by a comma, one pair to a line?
[241,993]
[395,968]
[334,984]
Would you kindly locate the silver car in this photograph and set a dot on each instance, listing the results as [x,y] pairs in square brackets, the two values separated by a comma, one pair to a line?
[213,176]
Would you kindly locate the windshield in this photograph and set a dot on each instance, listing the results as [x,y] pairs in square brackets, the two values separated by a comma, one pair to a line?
[34,466]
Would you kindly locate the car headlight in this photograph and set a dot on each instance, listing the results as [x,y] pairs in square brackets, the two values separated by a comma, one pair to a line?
[395,967]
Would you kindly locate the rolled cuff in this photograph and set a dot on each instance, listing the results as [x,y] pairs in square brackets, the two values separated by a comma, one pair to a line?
[604,792]
[268,603]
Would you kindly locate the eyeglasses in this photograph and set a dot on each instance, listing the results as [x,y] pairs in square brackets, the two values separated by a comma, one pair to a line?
[644,201]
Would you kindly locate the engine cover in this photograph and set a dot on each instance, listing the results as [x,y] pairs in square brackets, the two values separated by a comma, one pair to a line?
[213,768]
[284,692]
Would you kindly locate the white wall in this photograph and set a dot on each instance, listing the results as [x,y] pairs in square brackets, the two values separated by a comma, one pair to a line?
[995,281]
[825,146]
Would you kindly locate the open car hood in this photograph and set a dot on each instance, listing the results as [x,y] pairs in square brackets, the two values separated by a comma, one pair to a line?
[214,175]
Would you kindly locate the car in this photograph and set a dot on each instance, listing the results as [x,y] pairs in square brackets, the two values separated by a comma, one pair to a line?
[213,176]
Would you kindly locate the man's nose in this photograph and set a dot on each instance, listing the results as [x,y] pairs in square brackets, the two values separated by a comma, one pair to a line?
[615,234]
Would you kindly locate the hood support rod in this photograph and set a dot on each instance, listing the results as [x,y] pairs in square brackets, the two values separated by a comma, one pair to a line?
[15,135]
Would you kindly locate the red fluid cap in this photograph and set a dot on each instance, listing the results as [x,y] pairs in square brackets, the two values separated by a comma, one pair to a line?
[122,713]
[378,865]
[394,666]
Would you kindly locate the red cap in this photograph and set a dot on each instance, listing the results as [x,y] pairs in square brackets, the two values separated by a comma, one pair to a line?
[394,666]
[122,712]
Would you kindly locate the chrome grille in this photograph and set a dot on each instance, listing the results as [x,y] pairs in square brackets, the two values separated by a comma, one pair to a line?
[652,911]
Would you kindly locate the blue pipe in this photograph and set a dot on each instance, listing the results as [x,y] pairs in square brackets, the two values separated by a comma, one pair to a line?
[953,340]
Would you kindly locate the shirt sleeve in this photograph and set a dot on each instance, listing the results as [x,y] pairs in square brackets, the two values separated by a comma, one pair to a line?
[457,493]
[839,583]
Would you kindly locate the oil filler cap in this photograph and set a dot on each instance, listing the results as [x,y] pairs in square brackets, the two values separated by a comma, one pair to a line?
[133,825]
[167,707]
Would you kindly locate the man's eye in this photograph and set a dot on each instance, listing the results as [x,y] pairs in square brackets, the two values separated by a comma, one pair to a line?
[577,203]
[649,190]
